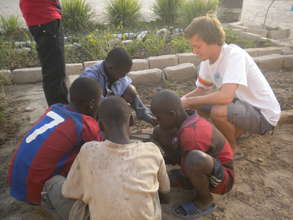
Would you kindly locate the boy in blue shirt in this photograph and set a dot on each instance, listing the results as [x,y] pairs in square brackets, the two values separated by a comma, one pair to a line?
[111,74]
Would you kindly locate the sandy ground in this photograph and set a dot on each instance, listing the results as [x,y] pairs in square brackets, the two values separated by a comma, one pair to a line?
[263,188]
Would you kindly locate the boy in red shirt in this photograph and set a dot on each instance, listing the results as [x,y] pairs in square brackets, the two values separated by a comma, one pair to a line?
[51,145]
[205,156]
[43,18]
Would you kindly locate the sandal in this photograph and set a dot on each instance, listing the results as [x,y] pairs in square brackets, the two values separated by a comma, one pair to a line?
[192,211]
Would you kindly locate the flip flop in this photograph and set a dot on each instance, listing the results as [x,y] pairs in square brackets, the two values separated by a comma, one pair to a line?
[239,155]
[192,211]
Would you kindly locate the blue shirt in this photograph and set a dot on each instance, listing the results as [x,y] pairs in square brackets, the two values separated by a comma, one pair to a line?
[97,72]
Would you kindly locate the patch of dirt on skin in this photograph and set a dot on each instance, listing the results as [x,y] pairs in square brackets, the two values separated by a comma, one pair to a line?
[263,183]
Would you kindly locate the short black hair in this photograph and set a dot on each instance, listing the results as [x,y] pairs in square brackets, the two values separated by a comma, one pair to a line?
[114,111]
[166,101]
[84,90]
[119,58]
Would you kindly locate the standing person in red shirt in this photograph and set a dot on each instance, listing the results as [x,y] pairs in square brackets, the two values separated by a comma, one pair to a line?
[205,156]
[43,17]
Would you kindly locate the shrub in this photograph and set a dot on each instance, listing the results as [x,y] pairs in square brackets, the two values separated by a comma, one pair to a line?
[123,13]
[77,16]
[12,57]
[180,45]
[195,8]
[167,10]
[154,45]
[11,27]
[235,38]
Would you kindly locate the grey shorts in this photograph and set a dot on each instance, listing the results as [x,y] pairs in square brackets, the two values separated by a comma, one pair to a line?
[244,116]
[60,207]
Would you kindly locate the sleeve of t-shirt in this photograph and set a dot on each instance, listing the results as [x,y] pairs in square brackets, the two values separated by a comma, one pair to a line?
[73,185]
[91,130]
[235,71]
[203,79]
[90,72]
[163,178]
[189,140]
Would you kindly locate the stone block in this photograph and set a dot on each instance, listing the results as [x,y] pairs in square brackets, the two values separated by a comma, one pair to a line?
[139,64]
[163,61]
[264,51]
[5,76]
[181,72]
[272,62]
[90,63]
[147,77]
[287,51]
[279,34]
[27,75]
[188,58]
[288,62]
[74,68]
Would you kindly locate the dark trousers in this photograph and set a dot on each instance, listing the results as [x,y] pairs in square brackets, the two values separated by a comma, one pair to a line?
[50,46]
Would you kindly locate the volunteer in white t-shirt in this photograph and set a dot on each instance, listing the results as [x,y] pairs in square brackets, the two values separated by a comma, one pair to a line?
[229,86]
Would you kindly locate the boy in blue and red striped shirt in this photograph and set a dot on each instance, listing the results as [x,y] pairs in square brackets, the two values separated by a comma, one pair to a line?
[51,145]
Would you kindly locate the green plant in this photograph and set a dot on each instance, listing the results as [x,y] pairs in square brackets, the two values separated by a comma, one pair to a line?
[11,27]
[12,57]
[180,45]
[235,38]
[154,45]
[135,49]
[167,10]
[195,8]
[77,16]
[123,13]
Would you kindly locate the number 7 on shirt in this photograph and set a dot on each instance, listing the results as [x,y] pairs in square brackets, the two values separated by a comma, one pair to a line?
[57,119]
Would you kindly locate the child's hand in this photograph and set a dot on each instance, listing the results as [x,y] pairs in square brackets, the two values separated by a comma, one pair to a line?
[184,102]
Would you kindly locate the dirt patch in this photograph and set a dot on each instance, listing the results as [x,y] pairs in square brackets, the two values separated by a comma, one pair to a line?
[263,188]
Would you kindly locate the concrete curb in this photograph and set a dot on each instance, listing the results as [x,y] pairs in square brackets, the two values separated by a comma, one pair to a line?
[256,52]
[27,75]
[171,64]
[163,61]
[147,77]
[181,72]
[74,68]
[272,62]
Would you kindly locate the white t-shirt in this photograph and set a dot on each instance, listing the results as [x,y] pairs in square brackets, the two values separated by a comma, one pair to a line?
[235,65]
[118,181]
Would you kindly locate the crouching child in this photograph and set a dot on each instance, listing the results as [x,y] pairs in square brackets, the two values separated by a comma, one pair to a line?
[204,155]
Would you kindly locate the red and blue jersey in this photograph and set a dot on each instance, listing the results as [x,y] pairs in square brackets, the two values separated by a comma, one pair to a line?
[48,149]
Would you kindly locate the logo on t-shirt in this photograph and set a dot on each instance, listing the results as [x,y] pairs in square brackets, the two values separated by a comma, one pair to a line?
[217,78]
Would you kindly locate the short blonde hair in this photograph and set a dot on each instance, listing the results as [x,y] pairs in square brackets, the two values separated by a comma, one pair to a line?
[208,29]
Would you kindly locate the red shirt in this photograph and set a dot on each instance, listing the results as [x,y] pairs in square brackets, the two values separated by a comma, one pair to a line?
[197,133]
[36,12]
